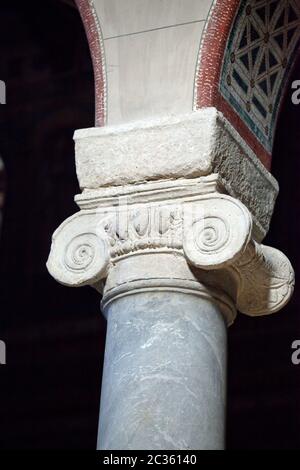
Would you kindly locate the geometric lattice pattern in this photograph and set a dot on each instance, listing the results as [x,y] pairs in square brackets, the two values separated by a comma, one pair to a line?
[259,53]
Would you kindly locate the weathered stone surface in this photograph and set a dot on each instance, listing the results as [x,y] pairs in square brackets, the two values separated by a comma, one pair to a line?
[188,146]
[190,220]
[267,280]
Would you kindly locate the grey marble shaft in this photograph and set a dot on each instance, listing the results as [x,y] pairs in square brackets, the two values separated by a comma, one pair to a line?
[164,380]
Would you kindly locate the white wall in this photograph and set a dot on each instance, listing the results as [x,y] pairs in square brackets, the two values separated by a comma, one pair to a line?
[151,49]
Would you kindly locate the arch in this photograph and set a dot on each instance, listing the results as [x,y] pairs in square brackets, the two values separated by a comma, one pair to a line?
[245,59]
[94,36]
[211,52]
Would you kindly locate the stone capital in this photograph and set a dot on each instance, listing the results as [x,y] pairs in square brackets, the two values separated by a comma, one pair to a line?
[173,204]
[189,146]
[173,235]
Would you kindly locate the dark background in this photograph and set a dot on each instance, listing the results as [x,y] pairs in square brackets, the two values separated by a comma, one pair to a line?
[55,336]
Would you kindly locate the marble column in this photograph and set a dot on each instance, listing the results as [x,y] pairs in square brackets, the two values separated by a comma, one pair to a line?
[169,232]
[164,381]
[164,374]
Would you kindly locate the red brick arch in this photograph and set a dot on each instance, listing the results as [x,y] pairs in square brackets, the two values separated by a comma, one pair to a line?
[212,51]
[94,36]
[209,67]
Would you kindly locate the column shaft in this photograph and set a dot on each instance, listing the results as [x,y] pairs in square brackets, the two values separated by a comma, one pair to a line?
[164,375]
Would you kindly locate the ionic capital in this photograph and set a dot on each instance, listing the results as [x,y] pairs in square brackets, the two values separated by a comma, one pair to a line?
[193,220]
